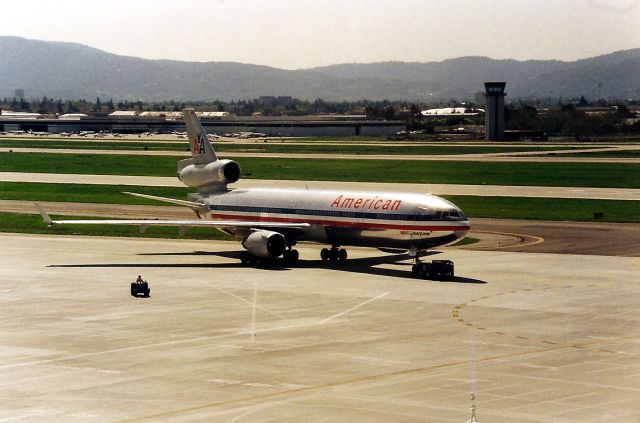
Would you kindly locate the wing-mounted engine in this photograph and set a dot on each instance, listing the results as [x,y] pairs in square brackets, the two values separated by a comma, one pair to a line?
[220,172]
[266,244]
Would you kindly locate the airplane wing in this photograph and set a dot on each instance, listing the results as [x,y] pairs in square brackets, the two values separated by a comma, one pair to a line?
[144,223]
[189,223]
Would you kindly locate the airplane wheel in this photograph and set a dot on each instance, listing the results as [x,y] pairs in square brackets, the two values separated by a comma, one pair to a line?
[295,256]
[342,255]
[324,254]
[249,259]
[290,256]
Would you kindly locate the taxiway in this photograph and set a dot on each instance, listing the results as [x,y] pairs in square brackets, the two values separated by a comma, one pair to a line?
[437,189]
[536,337]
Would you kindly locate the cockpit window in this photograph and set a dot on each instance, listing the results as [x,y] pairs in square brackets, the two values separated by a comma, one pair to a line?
[449,215]
[429,214]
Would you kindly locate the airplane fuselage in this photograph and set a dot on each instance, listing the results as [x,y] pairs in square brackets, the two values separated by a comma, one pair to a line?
[360,218]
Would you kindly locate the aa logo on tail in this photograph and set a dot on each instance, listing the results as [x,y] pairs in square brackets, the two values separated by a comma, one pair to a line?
[198,145]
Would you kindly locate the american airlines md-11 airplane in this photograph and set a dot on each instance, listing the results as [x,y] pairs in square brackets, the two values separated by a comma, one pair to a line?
[269,222]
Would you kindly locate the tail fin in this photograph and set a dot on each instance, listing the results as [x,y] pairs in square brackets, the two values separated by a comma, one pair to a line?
[201,150]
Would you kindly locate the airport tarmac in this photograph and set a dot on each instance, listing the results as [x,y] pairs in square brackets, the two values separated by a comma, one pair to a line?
[536,337]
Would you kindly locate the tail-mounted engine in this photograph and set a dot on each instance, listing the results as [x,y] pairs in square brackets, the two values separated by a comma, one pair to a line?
[200,175]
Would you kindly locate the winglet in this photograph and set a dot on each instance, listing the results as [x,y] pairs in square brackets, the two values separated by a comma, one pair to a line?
[44,215]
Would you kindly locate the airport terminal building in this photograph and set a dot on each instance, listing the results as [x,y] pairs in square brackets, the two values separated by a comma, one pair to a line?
[289,126]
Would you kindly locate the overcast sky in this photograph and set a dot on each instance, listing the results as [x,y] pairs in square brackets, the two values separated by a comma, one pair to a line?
[295,34]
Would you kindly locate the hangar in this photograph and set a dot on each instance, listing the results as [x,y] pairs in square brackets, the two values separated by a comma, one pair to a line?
[288,126]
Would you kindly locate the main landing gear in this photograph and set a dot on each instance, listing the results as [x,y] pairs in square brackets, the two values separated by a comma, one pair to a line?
[290,256]
[333,254]
[249,259]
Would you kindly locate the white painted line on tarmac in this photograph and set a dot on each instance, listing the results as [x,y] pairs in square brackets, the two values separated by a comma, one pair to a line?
[253,312]
[353,308]
[185,341]
[224,291]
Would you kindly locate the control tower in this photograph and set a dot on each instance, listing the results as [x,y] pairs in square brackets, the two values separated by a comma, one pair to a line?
[494,110]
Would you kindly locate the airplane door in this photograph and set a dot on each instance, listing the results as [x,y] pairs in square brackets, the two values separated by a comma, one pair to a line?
[422,213]
[421,216]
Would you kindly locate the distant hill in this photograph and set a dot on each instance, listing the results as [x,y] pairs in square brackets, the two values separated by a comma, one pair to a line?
[72,71]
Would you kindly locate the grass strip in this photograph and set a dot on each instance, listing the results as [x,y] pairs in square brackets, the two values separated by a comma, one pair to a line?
[602,175]
[86,193]
[274,147]
[555,209]
[622,154]
[467,240]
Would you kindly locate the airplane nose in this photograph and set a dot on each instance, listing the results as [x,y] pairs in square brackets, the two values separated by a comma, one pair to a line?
[465,227]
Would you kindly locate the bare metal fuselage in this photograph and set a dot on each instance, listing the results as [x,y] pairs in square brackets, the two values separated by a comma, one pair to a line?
[341,218]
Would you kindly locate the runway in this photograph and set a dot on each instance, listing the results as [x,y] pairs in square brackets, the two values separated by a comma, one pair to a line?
[437,189]
[536,337]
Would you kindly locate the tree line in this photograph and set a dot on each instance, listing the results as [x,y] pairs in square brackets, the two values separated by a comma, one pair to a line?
[271,106]
[571,120]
